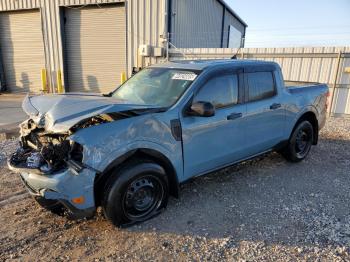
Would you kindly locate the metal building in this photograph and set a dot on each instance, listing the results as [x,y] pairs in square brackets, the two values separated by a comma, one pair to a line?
[209,24]
[89,43]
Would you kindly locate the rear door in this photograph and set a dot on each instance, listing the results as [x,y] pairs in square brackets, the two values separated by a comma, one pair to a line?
[213,142]
[265,111]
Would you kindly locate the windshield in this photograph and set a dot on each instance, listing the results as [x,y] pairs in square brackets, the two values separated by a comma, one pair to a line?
[156,86]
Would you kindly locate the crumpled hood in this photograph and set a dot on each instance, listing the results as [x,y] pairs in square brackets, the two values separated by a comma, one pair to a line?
[58,113]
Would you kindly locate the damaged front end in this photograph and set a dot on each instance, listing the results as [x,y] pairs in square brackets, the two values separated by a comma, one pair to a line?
[51,167]
[43,152]
[50,162]
[46,152]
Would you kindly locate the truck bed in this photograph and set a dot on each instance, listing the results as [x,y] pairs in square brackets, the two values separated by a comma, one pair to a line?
[296,87]
[299,84]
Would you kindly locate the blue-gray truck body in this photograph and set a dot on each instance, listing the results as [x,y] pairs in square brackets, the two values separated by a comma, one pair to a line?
[189,145]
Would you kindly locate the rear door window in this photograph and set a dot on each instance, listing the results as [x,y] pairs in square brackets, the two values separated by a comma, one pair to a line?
[260,85]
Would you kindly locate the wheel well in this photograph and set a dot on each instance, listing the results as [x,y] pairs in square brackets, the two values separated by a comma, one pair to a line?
[311,117]
[150,154]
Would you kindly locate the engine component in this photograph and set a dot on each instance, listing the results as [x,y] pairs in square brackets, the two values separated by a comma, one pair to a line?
[76,152]
[19,158]
[35,160]
[46,168]
[56,154]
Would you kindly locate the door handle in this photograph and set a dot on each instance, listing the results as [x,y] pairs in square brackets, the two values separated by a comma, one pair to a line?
[234,116]
[275,106]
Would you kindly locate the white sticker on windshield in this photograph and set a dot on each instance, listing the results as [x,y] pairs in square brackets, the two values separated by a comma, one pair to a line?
[184,76]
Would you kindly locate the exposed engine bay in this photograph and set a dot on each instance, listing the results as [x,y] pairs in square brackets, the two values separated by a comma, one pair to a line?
[45,151]
[48,152]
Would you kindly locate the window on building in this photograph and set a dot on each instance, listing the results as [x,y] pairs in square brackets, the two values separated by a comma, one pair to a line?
[221,91]
[234,38]
[260,85]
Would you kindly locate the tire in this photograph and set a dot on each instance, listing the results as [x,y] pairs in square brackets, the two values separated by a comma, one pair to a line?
[138,192]
[53,206]
[300,142]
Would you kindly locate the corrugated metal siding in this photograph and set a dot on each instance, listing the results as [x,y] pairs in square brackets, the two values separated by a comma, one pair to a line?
[306,64]
[7,5]
[2,74]
[196,23]
[22,50]
[95,48]
[145,24]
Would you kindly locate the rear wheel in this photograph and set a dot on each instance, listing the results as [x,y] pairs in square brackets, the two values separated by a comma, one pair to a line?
[135,194]
[300,142]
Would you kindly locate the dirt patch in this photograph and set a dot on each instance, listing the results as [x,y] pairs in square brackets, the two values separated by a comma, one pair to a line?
[265,209]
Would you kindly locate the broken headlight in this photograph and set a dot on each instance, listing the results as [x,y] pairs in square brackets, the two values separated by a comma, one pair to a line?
[57,155]
[45,151]
[76,152]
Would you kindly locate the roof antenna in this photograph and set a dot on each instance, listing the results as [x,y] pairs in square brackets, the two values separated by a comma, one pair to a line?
[235,56]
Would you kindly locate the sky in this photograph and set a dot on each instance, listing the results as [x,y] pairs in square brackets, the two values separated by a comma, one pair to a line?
[289,23]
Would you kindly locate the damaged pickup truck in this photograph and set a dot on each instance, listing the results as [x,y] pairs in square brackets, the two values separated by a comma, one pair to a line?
[127,151]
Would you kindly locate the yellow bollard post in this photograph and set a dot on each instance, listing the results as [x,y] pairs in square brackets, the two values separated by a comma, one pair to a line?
[59,82]
[44,80]
[122,77]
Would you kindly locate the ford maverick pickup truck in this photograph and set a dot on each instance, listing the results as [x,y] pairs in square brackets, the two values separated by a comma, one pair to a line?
[128,151]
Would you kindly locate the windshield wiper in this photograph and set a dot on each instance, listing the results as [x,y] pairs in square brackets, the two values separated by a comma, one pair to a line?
[151,110]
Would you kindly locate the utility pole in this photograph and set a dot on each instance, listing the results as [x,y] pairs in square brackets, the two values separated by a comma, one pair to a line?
[335,82]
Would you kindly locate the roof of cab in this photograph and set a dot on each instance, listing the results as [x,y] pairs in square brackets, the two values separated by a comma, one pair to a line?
[204,64]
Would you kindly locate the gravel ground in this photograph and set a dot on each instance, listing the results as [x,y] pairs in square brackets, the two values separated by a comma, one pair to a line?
[265,209]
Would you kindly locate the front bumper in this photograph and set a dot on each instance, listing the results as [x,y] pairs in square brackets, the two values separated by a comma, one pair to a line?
[63,186]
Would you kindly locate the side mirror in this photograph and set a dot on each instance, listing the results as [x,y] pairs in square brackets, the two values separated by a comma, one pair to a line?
[203,109]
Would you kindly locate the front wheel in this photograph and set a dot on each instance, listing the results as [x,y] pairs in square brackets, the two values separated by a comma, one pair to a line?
[135,194]
[300,142]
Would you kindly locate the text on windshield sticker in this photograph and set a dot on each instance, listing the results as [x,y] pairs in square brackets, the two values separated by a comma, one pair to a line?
[184,76]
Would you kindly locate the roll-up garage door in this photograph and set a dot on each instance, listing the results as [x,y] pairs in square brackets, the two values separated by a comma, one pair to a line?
[95,48]
[22,50]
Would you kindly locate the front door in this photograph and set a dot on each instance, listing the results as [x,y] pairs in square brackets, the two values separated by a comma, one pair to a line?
[213,142]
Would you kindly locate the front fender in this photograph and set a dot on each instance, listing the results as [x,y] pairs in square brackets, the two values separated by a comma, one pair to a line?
[106,142]
[101,161]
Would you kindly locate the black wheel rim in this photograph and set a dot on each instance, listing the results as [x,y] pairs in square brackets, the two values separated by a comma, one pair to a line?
[303,142]
[142,197]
